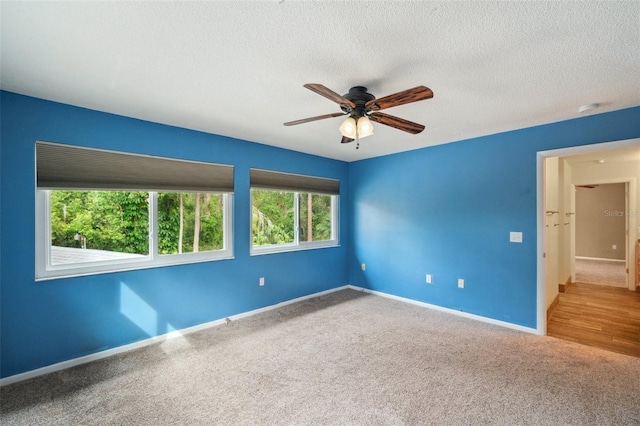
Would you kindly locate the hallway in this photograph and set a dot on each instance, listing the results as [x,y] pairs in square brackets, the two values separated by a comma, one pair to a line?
[602,272]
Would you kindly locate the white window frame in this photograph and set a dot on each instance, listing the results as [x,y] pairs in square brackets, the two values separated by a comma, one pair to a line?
[297,245]
[44,270]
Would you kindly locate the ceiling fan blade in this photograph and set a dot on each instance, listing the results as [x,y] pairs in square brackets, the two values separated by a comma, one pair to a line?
[329,94]
[318,117]
[419,93]
[398,123]
[346,140]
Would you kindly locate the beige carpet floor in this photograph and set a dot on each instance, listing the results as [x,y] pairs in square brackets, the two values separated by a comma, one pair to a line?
[347,358]
[601,272]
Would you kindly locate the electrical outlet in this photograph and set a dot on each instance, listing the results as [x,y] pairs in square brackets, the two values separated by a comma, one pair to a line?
[428,278]
[460,283]
[614,247]
[261,281]
[363,266]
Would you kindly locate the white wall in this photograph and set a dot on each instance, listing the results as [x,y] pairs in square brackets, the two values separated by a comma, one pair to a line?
[567,229]
[559,227]
[552,228]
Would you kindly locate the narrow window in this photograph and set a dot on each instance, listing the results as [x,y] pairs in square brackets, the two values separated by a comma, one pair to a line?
[190,222]
[292,212]
[316,217]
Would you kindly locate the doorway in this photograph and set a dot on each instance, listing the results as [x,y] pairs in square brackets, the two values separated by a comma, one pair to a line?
[588,235]
[622,164]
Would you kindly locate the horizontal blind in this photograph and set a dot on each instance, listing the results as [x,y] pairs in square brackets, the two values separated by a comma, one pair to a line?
[266,179]
[71,167]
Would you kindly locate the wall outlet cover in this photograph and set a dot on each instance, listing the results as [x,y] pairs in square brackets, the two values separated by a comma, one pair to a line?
[515,237]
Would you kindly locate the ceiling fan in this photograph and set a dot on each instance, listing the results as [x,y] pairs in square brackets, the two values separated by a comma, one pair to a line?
[363,107]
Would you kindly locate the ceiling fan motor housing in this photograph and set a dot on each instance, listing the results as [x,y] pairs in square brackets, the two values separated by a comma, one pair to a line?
[359,96]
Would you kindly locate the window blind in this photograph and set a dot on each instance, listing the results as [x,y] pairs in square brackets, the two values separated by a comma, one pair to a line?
[72,167]
[266,179]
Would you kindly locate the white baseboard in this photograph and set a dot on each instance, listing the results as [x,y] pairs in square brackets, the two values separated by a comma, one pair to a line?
[600,258]
[152,340]
[178,333]
[448,310]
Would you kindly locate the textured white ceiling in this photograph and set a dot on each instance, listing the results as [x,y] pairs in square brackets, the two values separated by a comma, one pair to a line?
[237,68]
[620,155]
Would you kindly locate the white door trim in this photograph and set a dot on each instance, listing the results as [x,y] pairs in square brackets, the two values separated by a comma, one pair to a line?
[540,269]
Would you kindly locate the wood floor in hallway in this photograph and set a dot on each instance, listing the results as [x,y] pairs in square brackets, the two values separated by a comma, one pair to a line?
[605,317]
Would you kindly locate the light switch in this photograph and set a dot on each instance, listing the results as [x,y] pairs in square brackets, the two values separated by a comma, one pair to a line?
[515,237]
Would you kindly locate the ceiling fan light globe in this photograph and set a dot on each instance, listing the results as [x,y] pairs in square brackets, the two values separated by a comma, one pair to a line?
[365,128]
[348,128]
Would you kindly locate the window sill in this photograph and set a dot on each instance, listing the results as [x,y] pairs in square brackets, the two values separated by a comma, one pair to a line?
[285,248]
[76,271]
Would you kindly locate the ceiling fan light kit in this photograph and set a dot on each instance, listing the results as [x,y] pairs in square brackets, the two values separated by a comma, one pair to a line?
[362,108]
[348,127]
[359,129]
[365,128]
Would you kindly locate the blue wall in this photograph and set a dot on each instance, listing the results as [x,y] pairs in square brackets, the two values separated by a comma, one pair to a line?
[51,321]
[448,210]
[445,210]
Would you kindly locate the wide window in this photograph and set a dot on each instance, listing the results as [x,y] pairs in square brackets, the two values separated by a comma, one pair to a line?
[292,212]
[92,216]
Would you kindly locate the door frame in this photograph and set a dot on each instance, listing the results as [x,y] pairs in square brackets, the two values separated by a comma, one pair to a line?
[541,317]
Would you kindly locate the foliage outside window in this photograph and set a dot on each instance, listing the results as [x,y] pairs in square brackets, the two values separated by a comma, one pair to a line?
[316,217]
[102,231]
[284,220]
[109,221]
[190,222]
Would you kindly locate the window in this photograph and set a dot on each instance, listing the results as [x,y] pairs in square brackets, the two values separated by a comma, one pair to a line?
[190,222]
[316,217]
[92,217]
[292,212]
[90,226]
